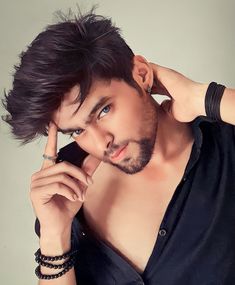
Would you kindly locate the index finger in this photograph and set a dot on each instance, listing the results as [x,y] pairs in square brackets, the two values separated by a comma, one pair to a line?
[51,146]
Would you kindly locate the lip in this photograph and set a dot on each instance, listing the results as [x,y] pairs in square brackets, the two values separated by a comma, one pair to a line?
[118,152]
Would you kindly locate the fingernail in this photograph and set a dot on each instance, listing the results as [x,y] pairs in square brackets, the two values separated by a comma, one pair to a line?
[89,180]
[82,198]
[75,197]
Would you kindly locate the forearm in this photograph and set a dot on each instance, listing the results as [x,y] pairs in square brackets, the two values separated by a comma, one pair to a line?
[227,106]
[53,246]
[188,96]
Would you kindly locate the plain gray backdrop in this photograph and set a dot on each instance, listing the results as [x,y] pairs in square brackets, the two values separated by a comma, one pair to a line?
[195,37]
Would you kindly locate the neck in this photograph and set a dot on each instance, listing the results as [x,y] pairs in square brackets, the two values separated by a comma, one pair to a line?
[173,137]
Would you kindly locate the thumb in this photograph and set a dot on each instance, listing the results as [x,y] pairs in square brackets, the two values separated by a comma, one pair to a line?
[90,164]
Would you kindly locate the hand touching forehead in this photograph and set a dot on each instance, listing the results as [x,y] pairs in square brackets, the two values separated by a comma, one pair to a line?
[51,146]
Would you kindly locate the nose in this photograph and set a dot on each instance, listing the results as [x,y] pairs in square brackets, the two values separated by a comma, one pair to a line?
[101,138]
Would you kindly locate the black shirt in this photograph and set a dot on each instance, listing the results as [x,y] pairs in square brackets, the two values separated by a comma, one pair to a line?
[196,241]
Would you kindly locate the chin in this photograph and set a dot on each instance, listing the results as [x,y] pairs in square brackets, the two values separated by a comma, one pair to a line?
[132,166]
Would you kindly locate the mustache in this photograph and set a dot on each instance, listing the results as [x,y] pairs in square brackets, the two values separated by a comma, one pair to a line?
[113,149]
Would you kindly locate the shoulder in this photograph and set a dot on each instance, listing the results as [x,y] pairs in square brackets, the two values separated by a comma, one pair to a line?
[218,132]
[222,130]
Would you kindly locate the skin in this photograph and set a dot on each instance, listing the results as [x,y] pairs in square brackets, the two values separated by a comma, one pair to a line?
[105,134]
[121,120]
[125,209]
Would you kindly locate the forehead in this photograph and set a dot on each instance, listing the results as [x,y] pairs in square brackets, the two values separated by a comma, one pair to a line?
[68,105]
[97,88]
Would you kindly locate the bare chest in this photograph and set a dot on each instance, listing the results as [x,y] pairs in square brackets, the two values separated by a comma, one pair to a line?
[127,215]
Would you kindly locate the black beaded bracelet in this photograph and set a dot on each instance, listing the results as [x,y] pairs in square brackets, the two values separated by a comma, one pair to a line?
[67,265]
[54,258]
[51,276]
[70,261]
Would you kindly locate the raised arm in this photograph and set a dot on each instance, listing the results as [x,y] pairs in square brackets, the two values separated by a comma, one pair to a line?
[188,97]
[57,194]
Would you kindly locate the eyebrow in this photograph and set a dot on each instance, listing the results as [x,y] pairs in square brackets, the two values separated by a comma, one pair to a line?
[89,118]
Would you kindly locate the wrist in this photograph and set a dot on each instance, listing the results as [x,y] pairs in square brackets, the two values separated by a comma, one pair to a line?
[51,267]
[55,244]
[198,100]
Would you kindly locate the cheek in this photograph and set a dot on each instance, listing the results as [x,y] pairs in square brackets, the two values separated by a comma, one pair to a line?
[126,122]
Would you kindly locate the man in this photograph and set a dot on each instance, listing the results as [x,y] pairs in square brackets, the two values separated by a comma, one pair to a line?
[152,202]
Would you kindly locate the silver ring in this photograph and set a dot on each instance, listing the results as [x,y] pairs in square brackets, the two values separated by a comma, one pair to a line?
[49,157]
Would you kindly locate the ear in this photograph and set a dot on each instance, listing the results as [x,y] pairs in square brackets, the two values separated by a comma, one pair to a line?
[142,72]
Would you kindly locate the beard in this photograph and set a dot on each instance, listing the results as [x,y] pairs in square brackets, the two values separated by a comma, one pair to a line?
[146,144]
[131,165]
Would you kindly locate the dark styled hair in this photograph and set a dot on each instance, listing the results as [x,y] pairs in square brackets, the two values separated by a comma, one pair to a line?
[76,50]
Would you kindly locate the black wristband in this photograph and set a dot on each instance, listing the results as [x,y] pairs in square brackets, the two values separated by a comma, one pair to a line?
[213,98]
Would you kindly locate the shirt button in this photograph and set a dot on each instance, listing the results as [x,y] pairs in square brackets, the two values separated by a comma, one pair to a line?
[83,234]
[185,178]
[162,232]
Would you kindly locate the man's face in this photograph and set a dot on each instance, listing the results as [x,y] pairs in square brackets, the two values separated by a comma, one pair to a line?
[124,118]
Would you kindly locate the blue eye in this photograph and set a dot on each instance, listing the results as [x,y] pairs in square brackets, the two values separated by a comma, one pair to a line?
[76,133]
[106,109]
